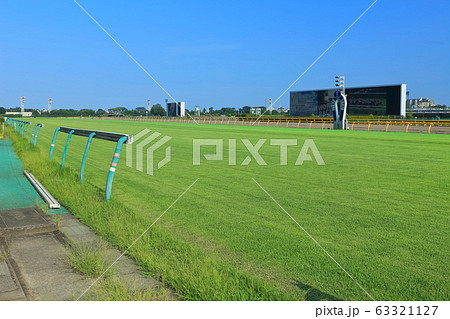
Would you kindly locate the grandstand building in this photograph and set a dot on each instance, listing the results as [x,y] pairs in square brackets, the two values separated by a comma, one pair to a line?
[375,100]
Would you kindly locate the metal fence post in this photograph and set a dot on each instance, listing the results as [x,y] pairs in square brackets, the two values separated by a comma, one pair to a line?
[66,147]
[83,161]
[52,146]
[112,169]
[37,133]
[32,134]
[25,129]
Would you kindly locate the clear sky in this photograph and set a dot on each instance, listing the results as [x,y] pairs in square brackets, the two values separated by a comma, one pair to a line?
[216,53]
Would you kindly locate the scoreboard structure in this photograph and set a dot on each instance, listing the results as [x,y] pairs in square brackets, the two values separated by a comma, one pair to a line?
[375,100]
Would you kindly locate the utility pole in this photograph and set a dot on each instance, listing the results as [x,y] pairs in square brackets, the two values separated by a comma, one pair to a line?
[49,105]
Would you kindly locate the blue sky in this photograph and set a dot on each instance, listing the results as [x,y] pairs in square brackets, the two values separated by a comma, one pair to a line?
[216,53]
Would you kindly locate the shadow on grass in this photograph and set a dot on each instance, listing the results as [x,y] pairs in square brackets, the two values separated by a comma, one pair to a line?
[313,294]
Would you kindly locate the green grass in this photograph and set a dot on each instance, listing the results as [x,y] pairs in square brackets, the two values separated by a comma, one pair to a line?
[114,289]
[379,206]
[90,259]
[3,256]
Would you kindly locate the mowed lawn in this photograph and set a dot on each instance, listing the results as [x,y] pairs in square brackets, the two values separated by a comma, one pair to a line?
[380,206]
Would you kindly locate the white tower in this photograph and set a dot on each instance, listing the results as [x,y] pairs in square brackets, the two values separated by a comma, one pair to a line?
[22,104]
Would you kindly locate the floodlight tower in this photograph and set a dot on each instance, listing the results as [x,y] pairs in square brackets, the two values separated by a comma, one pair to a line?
[22,104]
[49,105]
[340,83]
[270,106]
[339,104]
[149,102]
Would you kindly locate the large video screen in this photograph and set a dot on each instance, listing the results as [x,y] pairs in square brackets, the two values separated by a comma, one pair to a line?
[379,100]
[172,109]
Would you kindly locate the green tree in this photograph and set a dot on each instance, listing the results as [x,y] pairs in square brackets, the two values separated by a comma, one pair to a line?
[118,110]
[131,113]
[228,111]
[87,112]
[158,110]
[140,110]
[2,110]
[65,113]
[246,109]
[100,112]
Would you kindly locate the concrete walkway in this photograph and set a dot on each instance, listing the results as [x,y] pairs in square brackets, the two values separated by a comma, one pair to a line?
[34,245]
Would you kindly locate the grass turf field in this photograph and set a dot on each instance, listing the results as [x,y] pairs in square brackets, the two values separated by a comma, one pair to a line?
[380,206]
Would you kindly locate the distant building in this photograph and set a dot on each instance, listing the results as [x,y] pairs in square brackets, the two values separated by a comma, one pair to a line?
[197,111]
[176,109]
[282,110]
[256,110]
[24,114]
[419,103]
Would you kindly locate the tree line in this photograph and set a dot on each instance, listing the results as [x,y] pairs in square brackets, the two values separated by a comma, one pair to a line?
[156,110]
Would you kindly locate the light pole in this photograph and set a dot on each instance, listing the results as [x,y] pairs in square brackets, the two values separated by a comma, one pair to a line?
[22,104]
[270,106]
[339,106]
[340,83]
[49,105]
[149,102]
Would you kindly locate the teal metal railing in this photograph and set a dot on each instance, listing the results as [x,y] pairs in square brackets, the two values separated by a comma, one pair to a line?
[35,133]
[18,125]
[119,138]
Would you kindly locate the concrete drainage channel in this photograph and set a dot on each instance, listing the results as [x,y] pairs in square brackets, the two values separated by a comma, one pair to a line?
[34,263]
[34,245]
[18,228]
